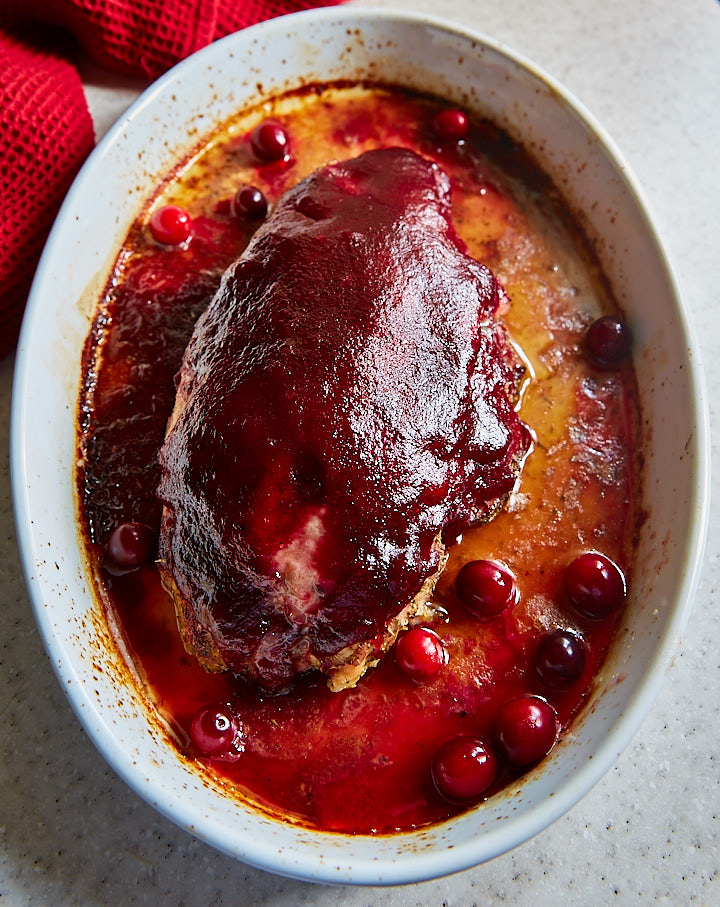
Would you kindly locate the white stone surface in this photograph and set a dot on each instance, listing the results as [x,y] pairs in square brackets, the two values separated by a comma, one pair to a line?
[72,833]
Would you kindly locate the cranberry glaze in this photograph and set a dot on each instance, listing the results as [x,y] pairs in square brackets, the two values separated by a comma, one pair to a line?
[348,392]
[459,707]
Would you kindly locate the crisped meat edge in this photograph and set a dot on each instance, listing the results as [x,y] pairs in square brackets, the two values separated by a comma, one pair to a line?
[344,669]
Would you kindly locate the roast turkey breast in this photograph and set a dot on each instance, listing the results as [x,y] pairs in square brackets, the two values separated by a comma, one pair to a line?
[347,397]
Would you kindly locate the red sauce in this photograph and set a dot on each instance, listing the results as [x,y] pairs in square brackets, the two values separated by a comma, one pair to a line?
[359,760]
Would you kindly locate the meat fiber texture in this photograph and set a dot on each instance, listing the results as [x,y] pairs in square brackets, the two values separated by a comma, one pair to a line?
[347,394]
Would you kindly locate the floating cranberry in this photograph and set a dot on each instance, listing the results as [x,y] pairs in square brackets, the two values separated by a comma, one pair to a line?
[214,730]
[560,658]
[595,585]
[269,141]
[464,768]
[486,588]
[171,225]
[250,203]
[527,730]
[420,654]
[607,341]
[451,125]
[130,545]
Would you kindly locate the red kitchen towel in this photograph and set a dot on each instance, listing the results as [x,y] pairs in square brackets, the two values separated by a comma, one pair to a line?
[45,127]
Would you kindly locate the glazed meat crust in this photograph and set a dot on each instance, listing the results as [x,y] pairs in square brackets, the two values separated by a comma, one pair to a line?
[347,394]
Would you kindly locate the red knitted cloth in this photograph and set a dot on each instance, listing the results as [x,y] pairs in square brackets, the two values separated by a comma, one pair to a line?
[45,126]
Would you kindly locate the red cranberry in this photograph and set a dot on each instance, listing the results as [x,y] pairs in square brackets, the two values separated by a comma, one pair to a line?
[560,658]
[595,584]
[250,203]
[464,768]
[607,341]
[420,654]
[451,125]
[269,141]
[171,225]
[214,730]
[486,588]
[130,545]
[527,730]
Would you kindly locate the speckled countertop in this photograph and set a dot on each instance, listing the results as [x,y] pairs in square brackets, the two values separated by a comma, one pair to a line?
[72,832]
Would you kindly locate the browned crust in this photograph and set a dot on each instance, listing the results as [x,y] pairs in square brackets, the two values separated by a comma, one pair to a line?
[196,635]
[343,670]
[349,665]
